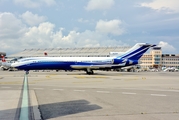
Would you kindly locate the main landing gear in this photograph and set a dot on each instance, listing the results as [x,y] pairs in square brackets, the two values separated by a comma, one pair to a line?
[89,72]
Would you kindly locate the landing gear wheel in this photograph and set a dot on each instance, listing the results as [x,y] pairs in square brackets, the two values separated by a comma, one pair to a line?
[27,72]
[89,72]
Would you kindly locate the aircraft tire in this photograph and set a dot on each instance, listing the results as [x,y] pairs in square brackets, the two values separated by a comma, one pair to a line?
[90,73]
[27,72]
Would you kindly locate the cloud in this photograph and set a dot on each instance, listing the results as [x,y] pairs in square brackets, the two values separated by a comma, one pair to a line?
[99,4]
[169,5]
[166,47]
[16,36]
[109,27]
[44,36]
[11,31]
[38,36]
[35,4]
[10,26]
[49,2]
[81,20]
[32,19]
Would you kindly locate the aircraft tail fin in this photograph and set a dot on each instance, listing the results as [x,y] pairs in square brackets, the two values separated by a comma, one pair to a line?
[3,58]
[136,52]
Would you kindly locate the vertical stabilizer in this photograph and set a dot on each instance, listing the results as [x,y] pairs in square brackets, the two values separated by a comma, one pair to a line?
[3,58]
[136,52]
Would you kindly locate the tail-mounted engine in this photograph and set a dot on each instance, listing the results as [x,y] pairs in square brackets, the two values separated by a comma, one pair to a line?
[119,61]
[127,61]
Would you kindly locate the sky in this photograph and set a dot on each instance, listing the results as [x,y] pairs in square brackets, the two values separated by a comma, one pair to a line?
[33,24]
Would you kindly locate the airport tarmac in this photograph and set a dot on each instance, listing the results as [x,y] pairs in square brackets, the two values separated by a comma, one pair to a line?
[102,96]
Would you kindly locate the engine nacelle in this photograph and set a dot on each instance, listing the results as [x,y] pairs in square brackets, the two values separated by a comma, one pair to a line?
[127,61]
[132,62]
[118,61]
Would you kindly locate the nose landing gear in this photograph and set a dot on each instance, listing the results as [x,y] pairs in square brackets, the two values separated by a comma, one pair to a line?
[27,72]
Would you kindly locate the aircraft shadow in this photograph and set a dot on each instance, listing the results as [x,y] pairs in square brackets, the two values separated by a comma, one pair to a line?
[106,74]
[66,108]
[54,110]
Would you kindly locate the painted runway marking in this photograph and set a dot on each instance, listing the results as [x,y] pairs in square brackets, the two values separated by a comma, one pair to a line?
[158,95]
[79,90]
[103,91]
[24,112]
[150,89]
[38,88]
[59,89]
[127,93]
[6,87]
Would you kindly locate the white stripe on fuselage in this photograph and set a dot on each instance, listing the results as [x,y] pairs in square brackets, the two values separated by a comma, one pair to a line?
[26,61]
[70,59]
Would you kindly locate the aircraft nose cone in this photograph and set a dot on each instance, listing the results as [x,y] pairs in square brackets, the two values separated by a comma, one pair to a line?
[13,65]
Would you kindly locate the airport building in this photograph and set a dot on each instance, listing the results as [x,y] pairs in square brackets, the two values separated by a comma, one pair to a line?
[154,59]
[71,52]
[170,60]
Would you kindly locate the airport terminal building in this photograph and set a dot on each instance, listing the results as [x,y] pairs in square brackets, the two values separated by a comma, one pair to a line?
[154,59]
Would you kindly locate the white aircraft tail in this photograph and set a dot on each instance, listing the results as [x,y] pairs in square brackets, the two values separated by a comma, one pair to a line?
[4,62]
[136,52]
[3,59]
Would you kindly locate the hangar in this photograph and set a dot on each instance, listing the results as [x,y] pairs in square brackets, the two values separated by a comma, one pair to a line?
[71,52]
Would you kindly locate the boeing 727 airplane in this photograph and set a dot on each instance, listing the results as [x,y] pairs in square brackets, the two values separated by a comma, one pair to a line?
[88,64]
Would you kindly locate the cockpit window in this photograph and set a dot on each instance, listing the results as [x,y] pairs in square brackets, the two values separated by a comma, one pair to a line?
[25,59]
[13,60]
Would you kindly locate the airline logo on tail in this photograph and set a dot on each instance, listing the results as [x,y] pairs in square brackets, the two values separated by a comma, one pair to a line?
[136,52]
[3,58]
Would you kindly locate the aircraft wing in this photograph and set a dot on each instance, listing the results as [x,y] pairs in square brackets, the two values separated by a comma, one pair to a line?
[128,67]
[97,66]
